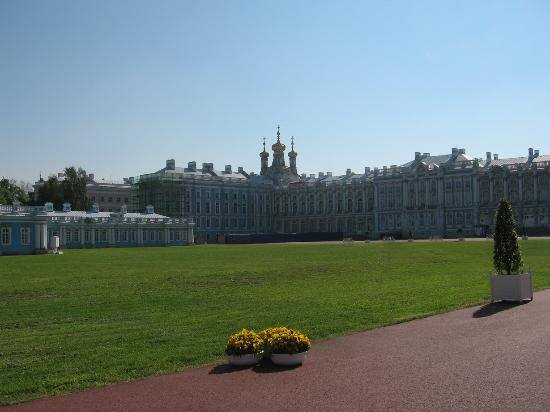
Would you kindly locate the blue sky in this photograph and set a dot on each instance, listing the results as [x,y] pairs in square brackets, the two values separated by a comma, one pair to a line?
[119,87]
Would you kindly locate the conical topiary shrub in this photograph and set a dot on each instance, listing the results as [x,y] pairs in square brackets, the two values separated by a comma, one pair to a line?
[506,254]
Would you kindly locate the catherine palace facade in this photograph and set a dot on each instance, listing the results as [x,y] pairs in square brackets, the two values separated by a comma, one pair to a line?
[445,195]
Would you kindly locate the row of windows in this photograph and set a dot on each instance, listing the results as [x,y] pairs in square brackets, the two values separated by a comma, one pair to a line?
[120,235]
[228,223]
[109,199]
[207,208]
[428,219]
[24,231]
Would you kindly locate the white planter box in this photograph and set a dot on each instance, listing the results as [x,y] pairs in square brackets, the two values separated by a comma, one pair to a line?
[511,287]
[287,359]
[244,360]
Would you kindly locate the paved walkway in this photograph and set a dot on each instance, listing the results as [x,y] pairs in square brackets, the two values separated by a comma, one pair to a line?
[494,357]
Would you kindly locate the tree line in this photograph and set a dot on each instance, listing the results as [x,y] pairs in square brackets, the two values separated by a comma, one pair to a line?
[71,189]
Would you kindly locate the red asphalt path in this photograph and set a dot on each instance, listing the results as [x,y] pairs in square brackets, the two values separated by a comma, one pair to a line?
[482,358]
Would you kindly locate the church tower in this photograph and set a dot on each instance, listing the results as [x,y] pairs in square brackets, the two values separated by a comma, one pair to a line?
[278,152]
[265,158]
[292,157]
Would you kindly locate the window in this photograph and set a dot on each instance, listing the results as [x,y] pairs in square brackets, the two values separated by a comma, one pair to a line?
[118,199]
[134,235]
[177,234]
[226,208]
[87,236]
[198,208]
[117,236]
[125,200]
[159,235]
[217,208]
[152,235]
[92,198]
[96,235]
[67,236]
[6,235]
[171,236]
[102,199]
[76,235]
[110,199]
[207,207]
[124,235]
[25,235]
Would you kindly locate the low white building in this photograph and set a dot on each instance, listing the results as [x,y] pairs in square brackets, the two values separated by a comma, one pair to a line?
[29,229]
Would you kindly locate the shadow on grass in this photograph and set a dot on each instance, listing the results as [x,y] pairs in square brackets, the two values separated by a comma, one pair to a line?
[265,366]
[494,308]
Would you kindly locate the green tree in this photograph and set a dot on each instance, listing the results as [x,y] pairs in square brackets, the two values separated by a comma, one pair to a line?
[10,191]
[71,189]
[74,188]
[50,191]
[506,254]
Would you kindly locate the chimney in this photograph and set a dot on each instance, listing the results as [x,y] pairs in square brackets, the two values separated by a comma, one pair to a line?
[367,170]
[312,175]
[123,209]
[228,169]
[536,153]
[149,209]
[417,155]
[192,166]
[48,206]
[66,207]
[303,176]
[488,154]
[95,208]
[329,174]
[495,156]
[454,151]
[530,153]
[170,164]
[207,167]
[91,176]
[321,175]
[348,172]
[240,169]
[461,151]
[426,155]
[376,169]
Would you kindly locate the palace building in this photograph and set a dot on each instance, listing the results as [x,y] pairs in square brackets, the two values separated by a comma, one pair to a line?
[447,195]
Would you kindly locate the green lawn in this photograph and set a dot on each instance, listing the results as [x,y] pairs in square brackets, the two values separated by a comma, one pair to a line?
[93,317]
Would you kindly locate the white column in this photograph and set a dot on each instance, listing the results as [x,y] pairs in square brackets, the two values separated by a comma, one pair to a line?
[44,236]
[111,235]
[140,235]
[37,234]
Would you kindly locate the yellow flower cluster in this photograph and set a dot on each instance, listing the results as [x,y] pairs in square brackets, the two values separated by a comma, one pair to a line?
[284,340]
[244,342]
